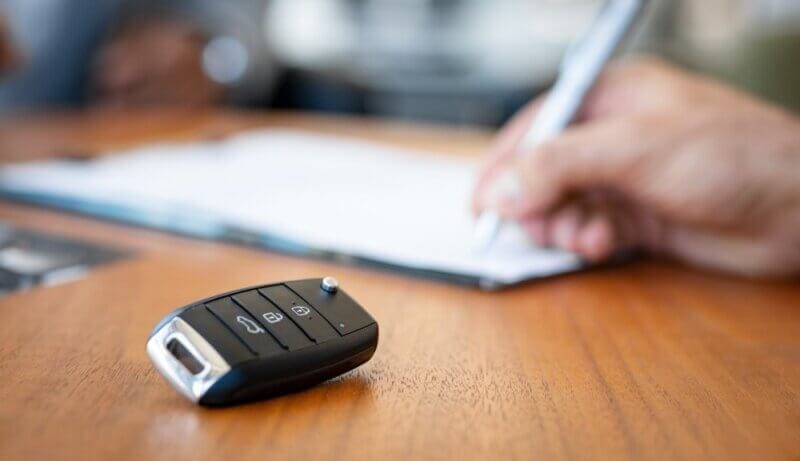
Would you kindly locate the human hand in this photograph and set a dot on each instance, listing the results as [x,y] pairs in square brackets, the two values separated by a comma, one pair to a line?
[665,161]
[153,63]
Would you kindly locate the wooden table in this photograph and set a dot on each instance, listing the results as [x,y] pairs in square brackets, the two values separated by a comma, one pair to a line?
[648,360]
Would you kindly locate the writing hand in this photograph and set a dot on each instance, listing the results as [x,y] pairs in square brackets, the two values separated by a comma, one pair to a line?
[665,161]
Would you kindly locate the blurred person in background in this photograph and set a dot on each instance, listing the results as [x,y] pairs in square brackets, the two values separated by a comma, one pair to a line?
[661,159]
[128,53]
[456,61]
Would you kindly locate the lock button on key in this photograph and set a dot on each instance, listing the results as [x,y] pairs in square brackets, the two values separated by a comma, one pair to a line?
[273,319]
[305,316]
[226,348]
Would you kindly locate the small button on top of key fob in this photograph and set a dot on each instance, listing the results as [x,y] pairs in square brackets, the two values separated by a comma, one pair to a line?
[262,341]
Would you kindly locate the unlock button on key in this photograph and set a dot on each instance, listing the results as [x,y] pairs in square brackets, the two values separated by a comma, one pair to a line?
[250,331]
[302,313]
[274,319]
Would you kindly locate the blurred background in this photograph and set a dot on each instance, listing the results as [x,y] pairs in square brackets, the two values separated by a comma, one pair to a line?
[451,61]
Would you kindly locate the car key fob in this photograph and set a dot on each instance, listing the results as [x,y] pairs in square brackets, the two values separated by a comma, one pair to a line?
[262,341]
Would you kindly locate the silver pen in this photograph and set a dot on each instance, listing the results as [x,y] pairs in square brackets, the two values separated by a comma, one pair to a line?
[580,68]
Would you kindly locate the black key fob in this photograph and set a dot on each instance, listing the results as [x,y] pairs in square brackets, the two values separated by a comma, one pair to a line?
[262,341]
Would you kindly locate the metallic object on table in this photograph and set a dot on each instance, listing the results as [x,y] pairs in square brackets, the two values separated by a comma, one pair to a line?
[29,258]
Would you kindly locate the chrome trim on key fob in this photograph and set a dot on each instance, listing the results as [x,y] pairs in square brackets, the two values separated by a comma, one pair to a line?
[191,385]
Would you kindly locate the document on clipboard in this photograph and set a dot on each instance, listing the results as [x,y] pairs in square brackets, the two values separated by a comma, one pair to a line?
[301,193]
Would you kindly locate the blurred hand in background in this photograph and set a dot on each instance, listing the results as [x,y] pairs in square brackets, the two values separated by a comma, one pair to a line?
[665,161]
[149,62]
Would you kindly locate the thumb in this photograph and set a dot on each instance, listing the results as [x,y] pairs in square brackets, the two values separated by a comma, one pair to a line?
[585,156]
[501,152]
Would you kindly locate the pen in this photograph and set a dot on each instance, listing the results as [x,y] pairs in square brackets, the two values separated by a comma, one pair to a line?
[580,67]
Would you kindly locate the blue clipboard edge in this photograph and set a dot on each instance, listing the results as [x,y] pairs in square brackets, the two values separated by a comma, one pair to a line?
[215,231]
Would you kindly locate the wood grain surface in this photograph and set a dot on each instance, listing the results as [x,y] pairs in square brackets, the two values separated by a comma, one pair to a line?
[644,361]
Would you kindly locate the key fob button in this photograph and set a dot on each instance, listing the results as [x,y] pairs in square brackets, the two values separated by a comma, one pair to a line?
[337,307]
[303,314]
[249,330]
[273,319]
[217,334]
[259,342]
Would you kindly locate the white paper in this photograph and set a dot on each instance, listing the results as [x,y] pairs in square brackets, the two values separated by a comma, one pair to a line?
[391,205]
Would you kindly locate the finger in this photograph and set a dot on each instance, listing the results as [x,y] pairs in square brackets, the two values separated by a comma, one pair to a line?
[590,230]
[557,228]
[632,227]
[624,216]
[507,140]
[535,229]
[596,239]
[502,151]
[618,90]
[634,85]
[624,91]
[594,155]
[565,224]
